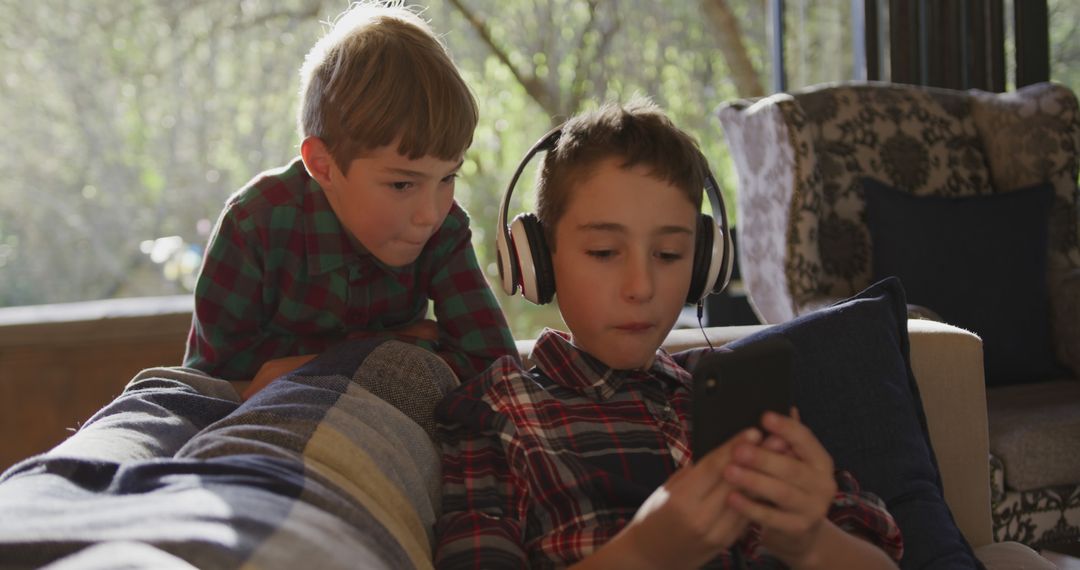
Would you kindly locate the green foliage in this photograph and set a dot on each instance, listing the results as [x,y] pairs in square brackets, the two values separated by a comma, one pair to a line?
[131,121]
[127,122]
[1064,16]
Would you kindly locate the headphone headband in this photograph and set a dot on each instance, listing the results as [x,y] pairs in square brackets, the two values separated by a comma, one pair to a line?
[546,142]
[711,276]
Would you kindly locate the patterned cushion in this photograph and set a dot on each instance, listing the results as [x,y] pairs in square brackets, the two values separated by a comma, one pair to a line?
[1043,144]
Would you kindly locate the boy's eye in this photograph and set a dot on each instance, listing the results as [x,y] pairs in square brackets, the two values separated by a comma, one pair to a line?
[401,186]
[450,178]
[600,253]
[669,256]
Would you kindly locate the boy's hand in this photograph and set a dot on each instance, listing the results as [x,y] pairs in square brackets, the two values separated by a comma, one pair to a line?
[792,487]
[426,329]
[272,369]
[686,522]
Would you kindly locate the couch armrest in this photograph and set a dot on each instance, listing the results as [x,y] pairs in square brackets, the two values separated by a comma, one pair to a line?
[948,367]
[1011,555]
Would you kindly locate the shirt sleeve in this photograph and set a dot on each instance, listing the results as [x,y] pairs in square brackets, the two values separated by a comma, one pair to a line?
[473,332]
[483,503]
[225,339]
[864,515]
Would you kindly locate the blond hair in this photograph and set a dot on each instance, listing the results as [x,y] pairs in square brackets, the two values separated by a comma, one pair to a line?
[637,133]
[379,75]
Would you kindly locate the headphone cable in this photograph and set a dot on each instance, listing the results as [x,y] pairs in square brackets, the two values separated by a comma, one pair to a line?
[700,312]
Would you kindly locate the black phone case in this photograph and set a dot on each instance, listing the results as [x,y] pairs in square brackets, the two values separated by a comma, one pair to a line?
[732,389]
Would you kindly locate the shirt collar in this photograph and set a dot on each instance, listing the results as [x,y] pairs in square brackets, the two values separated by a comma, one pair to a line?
[569,366]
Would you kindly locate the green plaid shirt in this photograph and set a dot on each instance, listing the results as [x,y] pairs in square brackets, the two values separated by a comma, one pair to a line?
[281,277]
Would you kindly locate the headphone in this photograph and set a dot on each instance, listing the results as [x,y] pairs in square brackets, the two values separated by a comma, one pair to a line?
[524,260]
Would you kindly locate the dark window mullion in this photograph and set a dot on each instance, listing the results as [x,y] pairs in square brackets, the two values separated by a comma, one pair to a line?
[779,72]
[1032,33]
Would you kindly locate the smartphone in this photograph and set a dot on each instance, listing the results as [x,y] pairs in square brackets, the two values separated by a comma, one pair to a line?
[733,388]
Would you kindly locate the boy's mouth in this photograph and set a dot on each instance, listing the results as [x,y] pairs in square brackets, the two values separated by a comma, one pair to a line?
[634,327]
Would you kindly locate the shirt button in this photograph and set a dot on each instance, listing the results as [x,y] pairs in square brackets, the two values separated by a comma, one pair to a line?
[667,408]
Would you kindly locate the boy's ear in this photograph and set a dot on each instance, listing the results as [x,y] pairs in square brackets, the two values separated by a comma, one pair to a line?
[317,160]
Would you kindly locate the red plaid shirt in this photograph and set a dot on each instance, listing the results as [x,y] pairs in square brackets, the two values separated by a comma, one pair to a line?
[281,277]
[542,467]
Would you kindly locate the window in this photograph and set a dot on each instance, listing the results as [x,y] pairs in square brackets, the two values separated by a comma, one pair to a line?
[128,124]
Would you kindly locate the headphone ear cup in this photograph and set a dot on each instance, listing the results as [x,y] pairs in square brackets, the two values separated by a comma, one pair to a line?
[537,277]
[723,257]
[506,261]
[712,260]
[703,242]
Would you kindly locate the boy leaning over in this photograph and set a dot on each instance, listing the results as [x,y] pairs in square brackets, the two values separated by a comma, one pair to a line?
[584,460]
[360,232]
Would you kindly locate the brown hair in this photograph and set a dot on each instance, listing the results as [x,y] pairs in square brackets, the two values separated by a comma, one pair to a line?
[381,73]
[638,133]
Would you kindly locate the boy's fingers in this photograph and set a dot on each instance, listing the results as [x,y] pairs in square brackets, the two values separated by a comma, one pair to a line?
[800,438]
[720,456]
[765,515]
[786,494]
[272,369]
[780,465]
[713,512]
[777,444]
[714,502]
[426,329]
[707,473]
[787,469]
[254,387]
[728,524]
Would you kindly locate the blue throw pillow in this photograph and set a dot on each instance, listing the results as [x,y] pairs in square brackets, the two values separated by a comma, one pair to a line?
[855,390]
[980,263]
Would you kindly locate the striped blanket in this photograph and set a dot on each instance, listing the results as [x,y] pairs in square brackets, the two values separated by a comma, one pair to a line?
[332,466]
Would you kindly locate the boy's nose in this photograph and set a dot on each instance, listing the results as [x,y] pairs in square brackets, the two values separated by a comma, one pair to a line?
[426,212]
[638,283]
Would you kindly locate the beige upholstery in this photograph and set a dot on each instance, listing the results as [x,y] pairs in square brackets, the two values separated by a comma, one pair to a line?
[1012,556]
[1037,420]
[947,363]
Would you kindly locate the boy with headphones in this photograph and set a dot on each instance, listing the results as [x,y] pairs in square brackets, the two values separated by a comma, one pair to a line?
[585,459]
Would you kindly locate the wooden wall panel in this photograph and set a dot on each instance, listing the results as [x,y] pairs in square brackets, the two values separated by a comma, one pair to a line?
[55,373]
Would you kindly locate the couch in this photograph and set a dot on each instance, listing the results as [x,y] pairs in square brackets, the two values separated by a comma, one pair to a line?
[367,492]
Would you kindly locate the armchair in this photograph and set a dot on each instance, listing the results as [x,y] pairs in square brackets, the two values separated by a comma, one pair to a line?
[805,240]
